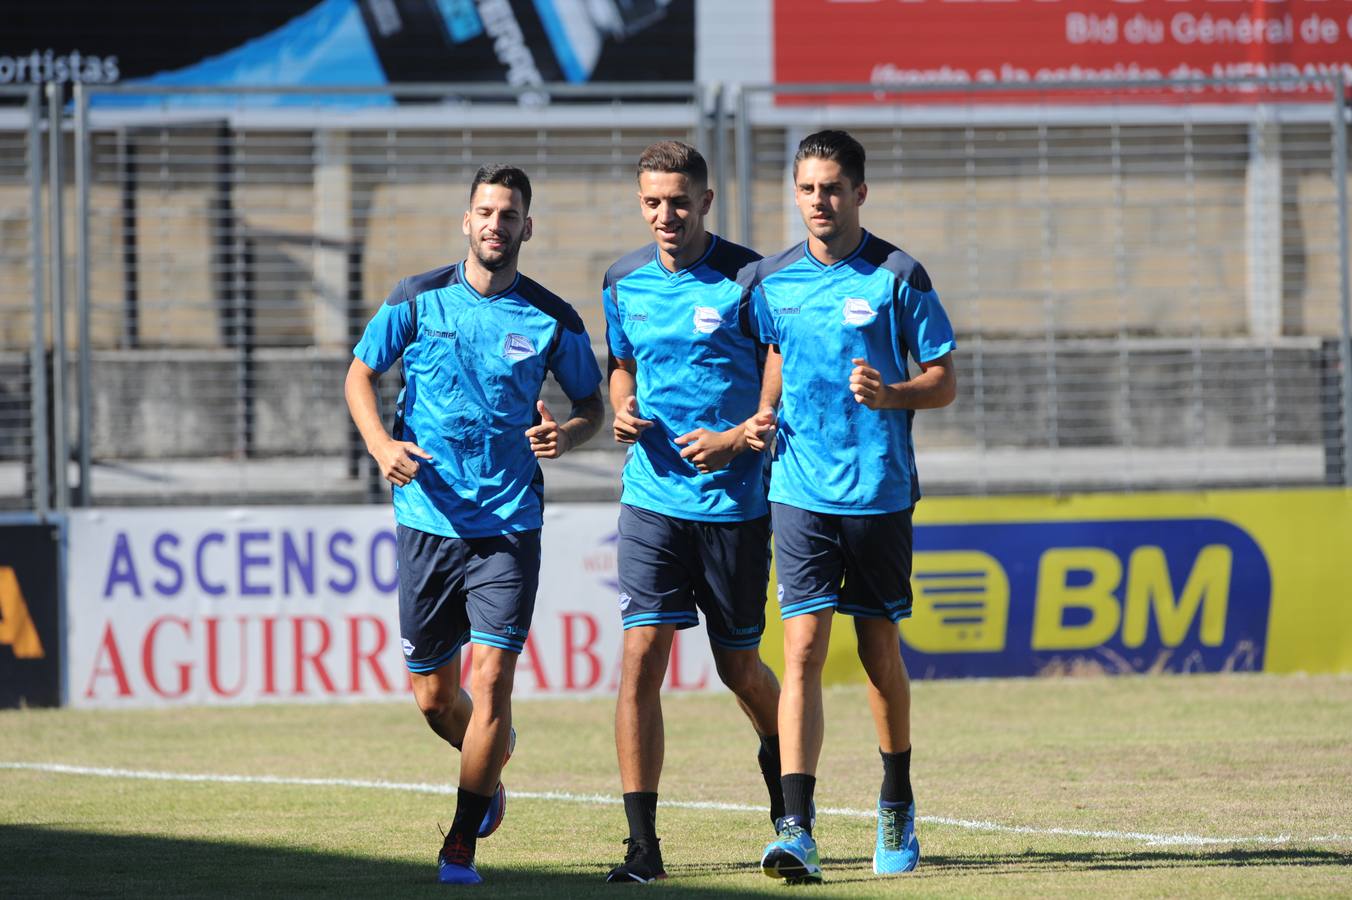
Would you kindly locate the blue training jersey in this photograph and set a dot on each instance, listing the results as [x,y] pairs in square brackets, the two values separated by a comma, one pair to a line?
[699,363]
[833,454]
[473,369]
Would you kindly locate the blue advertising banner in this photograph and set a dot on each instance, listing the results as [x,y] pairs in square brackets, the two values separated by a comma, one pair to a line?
[314,43]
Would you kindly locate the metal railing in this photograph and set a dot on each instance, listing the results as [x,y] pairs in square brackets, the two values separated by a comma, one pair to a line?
[1145,296]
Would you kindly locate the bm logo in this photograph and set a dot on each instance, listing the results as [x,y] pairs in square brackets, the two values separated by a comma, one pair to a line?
[17,630]
[1121,596]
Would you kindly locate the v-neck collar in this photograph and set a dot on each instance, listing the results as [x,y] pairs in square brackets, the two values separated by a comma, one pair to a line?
[677,273]
[490,297]
[807,251]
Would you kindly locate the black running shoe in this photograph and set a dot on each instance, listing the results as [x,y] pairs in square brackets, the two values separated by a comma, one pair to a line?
[642,864]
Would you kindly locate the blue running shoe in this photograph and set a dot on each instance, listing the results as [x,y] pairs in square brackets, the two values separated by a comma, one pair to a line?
[455,864]
[497,807]
[793,856]
[898,849]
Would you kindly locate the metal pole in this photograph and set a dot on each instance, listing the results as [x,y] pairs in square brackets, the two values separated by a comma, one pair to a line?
[1344,285]
[60,419]
[744,169]
[702,121]
[38,366]
[720,156]
[131,284]
[82,175]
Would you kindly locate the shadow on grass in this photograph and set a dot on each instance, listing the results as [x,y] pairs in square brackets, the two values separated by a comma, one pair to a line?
[46,861]
[1041,861]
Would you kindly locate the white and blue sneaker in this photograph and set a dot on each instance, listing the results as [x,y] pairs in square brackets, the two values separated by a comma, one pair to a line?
[793,856]
[897,849]
[497,807]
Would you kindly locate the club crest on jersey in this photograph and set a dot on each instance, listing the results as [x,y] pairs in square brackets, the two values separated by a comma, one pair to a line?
[707,319]
[517,346]
[858,312]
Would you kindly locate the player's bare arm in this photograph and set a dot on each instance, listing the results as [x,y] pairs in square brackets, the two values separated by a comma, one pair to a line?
[628,427]
[761,426]
[398,460]
[551,438]
[934,387]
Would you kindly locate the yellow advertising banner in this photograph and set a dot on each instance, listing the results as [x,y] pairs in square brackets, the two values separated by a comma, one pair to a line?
[1113,583]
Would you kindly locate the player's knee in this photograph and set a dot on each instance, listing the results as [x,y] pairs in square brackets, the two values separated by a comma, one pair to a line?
[807,656]
[493,677]
[434,707]
[738,669]
[882,664]
[642,674]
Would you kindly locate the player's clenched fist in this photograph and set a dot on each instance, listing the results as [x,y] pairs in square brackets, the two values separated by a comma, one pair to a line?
[397,461]
[628,426]
[866,383]
[548,440]
[759,429]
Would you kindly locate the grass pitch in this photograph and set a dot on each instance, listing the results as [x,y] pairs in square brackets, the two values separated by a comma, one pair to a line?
[1161,786]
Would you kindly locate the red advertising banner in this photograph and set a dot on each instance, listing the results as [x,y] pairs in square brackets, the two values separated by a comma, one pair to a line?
[1051,43]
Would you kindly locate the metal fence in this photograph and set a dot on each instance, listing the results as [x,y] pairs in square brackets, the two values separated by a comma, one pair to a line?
[23,358]
[1146,296]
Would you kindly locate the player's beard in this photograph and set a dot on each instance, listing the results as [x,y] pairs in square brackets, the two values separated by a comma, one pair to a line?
[495,262]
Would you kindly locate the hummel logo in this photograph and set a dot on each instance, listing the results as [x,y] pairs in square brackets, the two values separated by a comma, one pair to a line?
[789,310]
[432,332]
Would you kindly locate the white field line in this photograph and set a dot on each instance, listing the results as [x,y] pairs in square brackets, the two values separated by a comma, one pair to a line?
[1147,838]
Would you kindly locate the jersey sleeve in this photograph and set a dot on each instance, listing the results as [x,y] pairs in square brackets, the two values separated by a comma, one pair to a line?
[616,340]
[390,330]
[574,364]
[763,321]
[923,321]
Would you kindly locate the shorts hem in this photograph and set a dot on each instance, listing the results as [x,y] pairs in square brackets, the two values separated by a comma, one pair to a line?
[419,667]
[896,614]
[486,639]
[751,643]
[680,620]
[803,607]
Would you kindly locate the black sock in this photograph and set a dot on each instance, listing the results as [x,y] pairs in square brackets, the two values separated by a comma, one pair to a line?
[896,777]
[798,790]
[470,809]
[768,757]
[640,808]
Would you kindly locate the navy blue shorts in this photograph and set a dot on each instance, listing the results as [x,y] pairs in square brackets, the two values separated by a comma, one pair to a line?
[670,567]
[456,590]
[858,565]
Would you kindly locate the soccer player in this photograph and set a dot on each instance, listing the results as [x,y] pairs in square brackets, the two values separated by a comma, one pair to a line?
[477,339]
[694,525]
[842,311]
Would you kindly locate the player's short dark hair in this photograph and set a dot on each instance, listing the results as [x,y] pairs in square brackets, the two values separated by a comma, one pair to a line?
[505,175]
[676,157]
[838,147]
